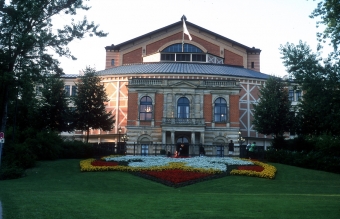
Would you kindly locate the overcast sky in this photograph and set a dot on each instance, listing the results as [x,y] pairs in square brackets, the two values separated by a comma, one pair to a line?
[264,24]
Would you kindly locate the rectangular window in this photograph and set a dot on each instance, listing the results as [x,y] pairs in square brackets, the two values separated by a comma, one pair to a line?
[198,58]
[220,151]
[183,57]
[168,57]
[298,95]
[252,65]
[291,95]
[145,150]
[74,91]
[67,90]
[112,62]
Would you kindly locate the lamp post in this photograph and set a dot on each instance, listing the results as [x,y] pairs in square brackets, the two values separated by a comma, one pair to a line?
[119,131]
[240,138]
[125,138]
[240,141]
[118,142]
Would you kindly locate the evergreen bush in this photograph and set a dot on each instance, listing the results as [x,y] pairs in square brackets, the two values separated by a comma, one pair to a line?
[76,150]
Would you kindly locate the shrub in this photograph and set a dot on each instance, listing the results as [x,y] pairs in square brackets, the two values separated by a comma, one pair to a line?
[45,145]
[300,144]
[18,155]
[75,150]
[11,172]
[312,160]
[279,143]
[327,144]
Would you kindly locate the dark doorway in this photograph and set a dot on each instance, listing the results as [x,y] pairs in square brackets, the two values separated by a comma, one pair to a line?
[182,149]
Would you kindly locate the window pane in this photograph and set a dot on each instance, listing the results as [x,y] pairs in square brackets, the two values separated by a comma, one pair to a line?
[148,116]
[198,58]
[145,108]
[67,90]
[183,57]
[74,90]
[298,95]
[220,110]
[291,95]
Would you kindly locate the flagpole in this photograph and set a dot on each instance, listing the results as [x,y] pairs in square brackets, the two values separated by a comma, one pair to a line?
[183,38]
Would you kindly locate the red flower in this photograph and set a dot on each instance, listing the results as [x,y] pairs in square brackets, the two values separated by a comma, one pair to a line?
[103,163]
[176,176]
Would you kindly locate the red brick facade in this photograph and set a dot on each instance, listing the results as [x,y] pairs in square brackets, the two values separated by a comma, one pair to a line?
[231,58]
[112,55]
[159,100]
[207,109]
[132,109]
[234,110]
[132,57]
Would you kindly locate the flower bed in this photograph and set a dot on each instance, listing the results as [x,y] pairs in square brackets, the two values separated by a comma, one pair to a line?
[268,171]
[179,172]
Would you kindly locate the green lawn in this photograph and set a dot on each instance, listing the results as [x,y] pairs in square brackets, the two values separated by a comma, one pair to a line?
[57,189]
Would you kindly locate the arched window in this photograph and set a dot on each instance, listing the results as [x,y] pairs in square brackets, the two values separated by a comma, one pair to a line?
[145,108]
[220,110]
[182,140]
[183,108]
[186,48]
[190,53]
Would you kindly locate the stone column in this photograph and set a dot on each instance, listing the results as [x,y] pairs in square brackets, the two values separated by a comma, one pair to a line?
[192,137]
[172,137]
[163,137]
[202,138]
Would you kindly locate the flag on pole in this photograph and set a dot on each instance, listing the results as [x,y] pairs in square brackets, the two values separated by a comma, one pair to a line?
[185,30]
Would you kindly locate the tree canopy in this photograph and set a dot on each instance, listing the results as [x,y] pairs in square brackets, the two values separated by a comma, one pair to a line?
[271,113]
[319,110]
[53,106]
[329,12]
[26,32]
[90,111]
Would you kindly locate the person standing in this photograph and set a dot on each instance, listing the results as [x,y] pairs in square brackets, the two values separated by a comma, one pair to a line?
[252,150]
[231,148]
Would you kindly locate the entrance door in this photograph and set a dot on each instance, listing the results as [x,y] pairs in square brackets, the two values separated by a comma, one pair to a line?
[220,151]
[182,146]
[145,150]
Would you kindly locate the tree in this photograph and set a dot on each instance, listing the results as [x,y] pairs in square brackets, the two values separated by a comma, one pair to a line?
[320,81]
[25,34]
[272,112]
[90,101]
[329,11]
[53,106]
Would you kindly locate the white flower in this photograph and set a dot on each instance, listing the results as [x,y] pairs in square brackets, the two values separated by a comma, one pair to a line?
[215,163]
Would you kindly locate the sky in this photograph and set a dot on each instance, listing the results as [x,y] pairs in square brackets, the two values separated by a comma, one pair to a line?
[263,24]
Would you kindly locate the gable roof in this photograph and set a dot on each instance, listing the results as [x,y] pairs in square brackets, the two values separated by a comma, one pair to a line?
[179,23]
[183,68]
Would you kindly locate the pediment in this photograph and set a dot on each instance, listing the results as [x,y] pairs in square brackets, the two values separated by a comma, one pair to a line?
[184,84]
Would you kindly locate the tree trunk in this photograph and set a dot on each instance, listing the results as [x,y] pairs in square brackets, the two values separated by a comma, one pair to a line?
[4,110]
[87,135]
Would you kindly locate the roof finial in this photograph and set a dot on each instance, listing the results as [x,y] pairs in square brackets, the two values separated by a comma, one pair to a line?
[183,18]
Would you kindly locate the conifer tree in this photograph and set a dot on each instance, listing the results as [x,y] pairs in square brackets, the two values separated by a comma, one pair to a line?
[90,111]
[272,112]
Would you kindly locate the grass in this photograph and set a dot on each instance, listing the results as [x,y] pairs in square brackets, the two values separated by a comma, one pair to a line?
[57,189]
